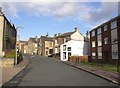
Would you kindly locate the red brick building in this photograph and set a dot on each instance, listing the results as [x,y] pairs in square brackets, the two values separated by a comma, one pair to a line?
[105,42]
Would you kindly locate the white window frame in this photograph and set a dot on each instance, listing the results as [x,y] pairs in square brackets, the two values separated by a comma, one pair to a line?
[35,45]
[115,55]
[93,43]
[93,33]
[56,50]
[55,42]
[106,40]
[99,52]
[64,40]
[93,55]
[64,47]
[113,24]
[99,31]
[105,28]
[99,43]
[114,36]
[114,50]
[99,40]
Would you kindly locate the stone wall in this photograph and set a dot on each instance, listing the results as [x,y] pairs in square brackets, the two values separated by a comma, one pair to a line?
[7,62]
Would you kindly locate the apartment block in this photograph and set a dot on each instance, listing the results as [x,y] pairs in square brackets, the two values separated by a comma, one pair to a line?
[105,42]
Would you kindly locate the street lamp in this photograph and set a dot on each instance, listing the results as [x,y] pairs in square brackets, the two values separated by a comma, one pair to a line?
[16,43]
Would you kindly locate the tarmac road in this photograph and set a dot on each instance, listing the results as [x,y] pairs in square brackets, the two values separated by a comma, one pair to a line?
[42,71]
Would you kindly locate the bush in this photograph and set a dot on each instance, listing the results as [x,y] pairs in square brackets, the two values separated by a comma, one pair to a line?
[10,54]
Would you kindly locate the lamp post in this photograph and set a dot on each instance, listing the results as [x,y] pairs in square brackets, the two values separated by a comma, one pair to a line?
[16,43]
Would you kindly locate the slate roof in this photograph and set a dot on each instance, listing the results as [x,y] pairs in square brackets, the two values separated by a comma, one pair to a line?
[70,33]
[65,34]
[33,40]
[23,41]
[47,38]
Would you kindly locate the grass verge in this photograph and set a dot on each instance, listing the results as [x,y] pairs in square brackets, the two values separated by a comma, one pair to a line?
[106,67]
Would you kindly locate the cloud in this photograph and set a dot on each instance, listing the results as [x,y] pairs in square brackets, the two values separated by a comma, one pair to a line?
[58,10]
[106,10]
[95,16]
[10,9]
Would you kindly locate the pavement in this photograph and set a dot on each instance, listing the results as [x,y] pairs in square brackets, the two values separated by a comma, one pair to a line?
[110,76]
[9,72]
[42,71]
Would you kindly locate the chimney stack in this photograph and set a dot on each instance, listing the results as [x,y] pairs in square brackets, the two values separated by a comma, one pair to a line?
[55,35]
[76,29]
[59,34]
[47,35]
[1,13]
[88,35]
[36,38]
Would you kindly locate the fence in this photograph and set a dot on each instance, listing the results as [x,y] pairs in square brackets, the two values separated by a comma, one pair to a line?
[76,59]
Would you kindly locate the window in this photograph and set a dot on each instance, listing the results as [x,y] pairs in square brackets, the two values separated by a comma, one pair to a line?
[105,28]
[50,51]
[55,42]
[56,50]
[99,43]
[50,43]
[114,55]
[35,45]
[115,51]
[69,48]
[105,40]
[64,47]
[99,40]
[64,40]
[46,52]
[93,33]
[113,24]
[69,54]
[114,38]
[93,55]
[99,31]
[93,44]
[99,52]
[64,55]
[99,37]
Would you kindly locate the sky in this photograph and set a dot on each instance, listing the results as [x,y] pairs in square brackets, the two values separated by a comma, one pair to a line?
[40,18]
